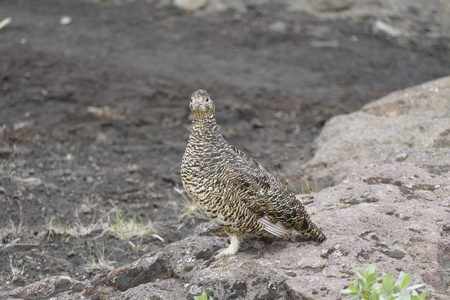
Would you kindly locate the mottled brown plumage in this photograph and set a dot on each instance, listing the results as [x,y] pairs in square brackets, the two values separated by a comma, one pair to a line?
[233,189]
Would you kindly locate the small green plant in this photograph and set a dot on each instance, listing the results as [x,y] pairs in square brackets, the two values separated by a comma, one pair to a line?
[203,296]
[367,286]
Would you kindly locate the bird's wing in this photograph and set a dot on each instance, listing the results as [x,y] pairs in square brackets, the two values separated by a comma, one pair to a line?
[256,185]
[248,174]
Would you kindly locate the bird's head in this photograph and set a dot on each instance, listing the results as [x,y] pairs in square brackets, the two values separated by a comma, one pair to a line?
[201,104]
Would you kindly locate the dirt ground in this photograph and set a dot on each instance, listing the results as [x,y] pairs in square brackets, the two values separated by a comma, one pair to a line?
[94,115]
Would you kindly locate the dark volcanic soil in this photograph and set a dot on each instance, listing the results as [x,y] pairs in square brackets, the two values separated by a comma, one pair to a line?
[94,115]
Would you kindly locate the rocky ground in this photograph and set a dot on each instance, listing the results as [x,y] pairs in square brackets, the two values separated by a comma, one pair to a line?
[392,213]
[94,117]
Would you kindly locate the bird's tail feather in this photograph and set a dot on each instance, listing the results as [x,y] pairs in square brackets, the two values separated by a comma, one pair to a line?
[310,229]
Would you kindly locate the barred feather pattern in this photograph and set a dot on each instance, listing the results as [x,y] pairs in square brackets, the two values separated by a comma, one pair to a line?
[235,190]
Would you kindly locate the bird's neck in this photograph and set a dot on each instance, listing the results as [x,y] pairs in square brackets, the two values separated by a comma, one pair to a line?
[204,125]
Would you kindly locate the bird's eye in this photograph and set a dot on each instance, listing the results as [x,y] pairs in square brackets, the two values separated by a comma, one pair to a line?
[207,99]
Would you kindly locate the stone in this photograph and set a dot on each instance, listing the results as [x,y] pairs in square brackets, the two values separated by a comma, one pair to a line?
[65,20]
[382,27]
[331,5]
[40,289]
[190,5]
[408,127]
[278,26]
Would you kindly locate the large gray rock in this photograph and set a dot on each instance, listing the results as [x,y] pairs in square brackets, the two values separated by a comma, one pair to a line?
[397,216]
[408,127]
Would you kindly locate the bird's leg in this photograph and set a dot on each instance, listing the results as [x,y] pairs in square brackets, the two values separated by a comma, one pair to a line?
[232,249]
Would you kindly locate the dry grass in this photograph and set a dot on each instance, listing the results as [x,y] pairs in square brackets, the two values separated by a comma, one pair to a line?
[306,187]
[76,229]
[15,274]
[10,231]
[88,205]
[127,228]
[96,260]
[188,208]
[113,223]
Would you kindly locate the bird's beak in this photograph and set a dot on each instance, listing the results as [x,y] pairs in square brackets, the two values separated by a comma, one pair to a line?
[196,105]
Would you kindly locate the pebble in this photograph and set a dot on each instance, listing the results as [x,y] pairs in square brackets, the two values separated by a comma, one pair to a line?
[380,26]
[65,20]
[190,5]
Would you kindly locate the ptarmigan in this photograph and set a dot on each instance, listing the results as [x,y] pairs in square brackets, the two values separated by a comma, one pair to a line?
[233,189]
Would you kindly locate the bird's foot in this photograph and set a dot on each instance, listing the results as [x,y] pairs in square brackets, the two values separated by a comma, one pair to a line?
[231,250]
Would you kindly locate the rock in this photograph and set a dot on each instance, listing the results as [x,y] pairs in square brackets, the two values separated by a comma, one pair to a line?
[5,22]
[65,20]
[190,5]
[380,26]
[107,113]
[278,26]
[408,127]
[41,289]
[399,218]
[331,5]
[223,5]
[325,44]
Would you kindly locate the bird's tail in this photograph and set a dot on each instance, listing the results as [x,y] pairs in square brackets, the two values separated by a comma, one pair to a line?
[310,229]
[317,234]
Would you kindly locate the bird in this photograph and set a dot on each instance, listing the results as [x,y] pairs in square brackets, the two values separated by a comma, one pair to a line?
[233,189]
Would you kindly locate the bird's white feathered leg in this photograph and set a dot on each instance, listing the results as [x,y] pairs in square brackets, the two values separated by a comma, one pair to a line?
[232,249]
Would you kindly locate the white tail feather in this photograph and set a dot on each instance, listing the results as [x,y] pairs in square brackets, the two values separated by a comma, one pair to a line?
[276,229]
